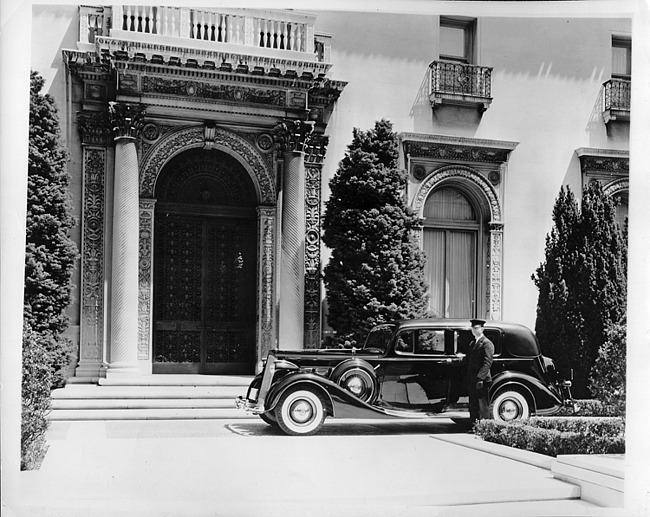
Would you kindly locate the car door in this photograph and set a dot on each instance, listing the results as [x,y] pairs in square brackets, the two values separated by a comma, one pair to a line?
[416,373]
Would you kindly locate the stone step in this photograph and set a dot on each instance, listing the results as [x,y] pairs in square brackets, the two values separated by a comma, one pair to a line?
[150,403]
[149,414]
[94,392]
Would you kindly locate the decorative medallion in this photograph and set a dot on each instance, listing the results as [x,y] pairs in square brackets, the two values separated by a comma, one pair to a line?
[265,142]
[494,177]
[190,88]
[419,172]
[151,132]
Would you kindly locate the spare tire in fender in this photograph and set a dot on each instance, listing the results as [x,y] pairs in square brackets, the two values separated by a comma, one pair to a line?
[358,377]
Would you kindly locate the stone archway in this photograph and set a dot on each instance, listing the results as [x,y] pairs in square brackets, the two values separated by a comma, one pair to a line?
[486,198]
[253,161]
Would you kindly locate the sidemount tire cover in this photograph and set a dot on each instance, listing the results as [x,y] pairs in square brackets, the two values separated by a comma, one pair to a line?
[358,377]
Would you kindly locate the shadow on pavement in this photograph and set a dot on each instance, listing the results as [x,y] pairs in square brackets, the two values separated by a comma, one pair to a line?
[341,428]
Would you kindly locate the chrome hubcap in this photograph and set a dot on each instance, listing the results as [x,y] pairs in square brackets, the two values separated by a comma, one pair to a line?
[509,410]
[356,386]
[301,411]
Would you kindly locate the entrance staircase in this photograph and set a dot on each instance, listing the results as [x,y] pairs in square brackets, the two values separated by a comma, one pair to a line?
[154,397]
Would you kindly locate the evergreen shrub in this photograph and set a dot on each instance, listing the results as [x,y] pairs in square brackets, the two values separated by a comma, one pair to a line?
[553,436]
[36,382]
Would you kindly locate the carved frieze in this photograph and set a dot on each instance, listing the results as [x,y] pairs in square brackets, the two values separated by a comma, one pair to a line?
[291,135]
[220,91]
[145,277]
[466,153]
[127,120]
[92,254]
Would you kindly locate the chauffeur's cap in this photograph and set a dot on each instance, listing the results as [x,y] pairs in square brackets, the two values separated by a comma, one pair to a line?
[473,323]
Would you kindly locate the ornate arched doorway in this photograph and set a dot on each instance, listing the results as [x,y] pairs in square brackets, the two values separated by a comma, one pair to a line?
[205,259]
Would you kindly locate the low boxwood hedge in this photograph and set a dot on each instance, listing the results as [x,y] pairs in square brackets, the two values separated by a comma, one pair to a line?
[558,435]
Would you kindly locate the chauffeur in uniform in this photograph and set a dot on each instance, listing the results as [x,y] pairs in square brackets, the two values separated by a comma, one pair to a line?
[479,362]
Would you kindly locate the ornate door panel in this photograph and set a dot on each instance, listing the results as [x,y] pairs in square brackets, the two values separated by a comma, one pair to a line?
[204,295]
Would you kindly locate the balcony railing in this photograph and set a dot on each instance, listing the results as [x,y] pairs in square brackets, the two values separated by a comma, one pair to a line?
[283,33]
[460,83]
[616,99]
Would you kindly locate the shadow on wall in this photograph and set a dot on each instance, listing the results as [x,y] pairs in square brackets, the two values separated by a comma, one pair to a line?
[461,121]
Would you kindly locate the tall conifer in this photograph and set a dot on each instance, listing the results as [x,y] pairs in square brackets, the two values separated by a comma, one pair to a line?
[376,270]
[582,282]
[50,252]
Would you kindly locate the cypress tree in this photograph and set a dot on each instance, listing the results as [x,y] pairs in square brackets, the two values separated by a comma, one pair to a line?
[376,270]
[50,252]
[582,282]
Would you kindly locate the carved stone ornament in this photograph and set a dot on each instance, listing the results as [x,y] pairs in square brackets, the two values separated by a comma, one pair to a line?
[92,254]
[182,139]
[617,186]
[292,135]
[316,148]
[127,120]
[94,127]
[459,172]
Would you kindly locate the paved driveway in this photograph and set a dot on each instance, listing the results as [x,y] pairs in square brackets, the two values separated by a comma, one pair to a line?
[246,468]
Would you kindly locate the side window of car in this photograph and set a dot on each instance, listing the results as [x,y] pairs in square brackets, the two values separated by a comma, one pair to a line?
[430,342]
[404,342]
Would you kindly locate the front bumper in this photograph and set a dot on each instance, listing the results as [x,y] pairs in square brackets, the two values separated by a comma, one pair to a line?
[250,407]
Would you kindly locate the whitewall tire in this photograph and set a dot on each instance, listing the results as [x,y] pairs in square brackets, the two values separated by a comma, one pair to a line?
[300,411]
[510,405]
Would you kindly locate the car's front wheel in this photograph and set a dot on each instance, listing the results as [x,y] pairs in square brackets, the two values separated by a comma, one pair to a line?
[300,411]
[510,405]
[269,418]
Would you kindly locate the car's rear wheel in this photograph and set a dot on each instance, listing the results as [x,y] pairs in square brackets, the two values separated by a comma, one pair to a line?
[300,411]
[269,418]
[510,405]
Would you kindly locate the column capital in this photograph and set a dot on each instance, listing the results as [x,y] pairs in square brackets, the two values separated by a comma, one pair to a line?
[127,120]
[94,127]
[315,148]
[292,135]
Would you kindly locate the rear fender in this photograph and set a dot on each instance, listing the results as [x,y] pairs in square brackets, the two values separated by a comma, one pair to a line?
[543,399]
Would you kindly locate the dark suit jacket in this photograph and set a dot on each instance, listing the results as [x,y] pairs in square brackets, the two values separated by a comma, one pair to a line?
[479,360]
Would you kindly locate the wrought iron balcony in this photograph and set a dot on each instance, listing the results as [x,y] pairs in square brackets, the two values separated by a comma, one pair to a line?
[460,84]
[616,100]
[254,38]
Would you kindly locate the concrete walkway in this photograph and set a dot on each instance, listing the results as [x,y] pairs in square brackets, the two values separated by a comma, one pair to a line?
[244,468]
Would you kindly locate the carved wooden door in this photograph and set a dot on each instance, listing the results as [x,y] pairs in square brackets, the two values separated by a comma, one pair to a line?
[204,294]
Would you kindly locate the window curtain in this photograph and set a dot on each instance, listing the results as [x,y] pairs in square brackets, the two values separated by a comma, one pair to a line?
[434,247]
[450,272]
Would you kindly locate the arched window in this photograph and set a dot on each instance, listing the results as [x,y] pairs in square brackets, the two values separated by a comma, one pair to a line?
[451,241]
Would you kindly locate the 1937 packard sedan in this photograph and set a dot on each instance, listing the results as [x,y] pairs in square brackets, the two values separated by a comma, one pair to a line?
[407,369]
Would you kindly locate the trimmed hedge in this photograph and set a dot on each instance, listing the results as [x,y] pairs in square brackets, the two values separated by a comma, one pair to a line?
[557,435]
[592,407]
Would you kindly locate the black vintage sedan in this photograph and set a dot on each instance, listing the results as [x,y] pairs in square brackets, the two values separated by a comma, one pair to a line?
[405,369]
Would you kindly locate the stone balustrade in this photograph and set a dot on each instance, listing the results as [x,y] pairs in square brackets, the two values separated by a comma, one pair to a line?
[281,34]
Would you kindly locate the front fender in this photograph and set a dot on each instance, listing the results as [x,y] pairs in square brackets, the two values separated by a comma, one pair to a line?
[339,401]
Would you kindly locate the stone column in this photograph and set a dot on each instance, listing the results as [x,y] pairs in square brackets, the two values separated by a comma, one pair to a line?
[292,137]
[127,121]
[314,156]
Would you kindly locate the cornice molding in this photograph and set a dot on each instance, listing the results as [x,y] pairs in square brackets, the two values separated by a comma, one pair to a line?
[604,161]
[441,147]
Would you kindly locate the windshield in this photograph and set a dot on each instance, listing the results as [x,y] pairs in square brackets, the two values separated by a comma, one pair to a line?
[379,338]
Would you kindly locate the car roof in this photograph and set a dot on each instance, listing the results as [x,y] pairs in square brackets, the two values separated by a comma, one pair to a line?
[457,322]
